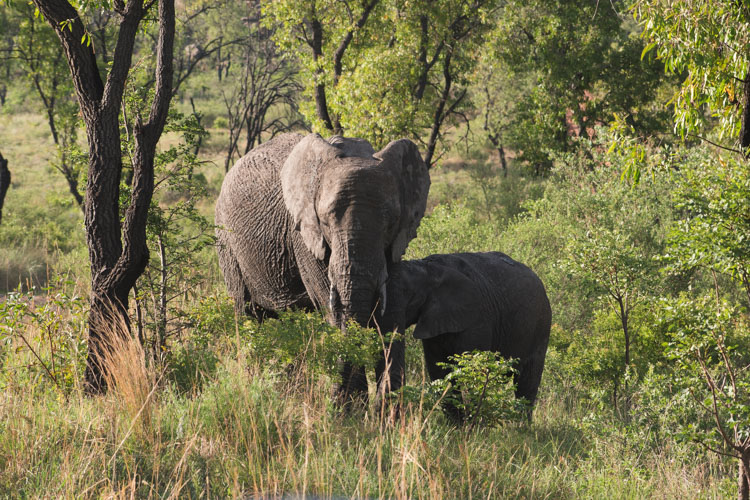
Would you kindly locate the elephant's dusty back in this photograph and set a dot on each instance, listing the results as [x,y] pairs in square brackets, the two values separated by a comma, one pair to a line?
[254,174]
[513,292]
[253,225]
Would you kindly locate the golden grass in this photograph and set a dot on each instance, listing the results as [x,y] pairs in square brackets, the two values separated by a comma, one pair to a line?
[250,431]
[131,380]
[254,434]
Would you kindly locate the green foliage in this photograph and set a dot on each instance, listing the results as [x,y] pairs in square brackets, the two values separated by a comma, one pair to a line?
[301,338]
[555,70]
[715,235]
[195,358]
[177,233]
[50,335]
[480,387]
[495,197]
[706,44]
[709,343]
[709,336]
[393,73]
[448,229]
[39,60]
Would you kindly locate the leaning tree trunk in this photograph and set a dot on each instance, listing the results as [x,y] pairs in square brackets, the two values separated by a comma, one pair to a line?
[4,182]
[118,253]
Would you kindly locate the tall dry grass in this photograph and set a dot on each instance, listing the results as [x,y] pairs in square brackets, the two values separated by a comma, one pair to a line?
[252,430]
[131,379]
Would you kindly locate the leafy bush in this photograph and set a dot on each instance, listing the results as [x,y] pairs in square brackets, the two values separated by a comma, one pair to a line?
[50,333]
[451,228]
[299,338]
[479,389]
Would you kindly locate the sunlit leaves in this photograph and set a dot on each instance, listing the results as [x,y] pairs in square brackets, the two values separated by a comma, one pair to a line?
[377,94]
[708,42]
[568,67]
[715,196]
[708,344]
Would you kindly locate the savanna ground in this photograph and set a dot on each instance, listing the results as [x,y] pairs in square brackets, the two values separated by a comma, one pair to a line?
[220,413]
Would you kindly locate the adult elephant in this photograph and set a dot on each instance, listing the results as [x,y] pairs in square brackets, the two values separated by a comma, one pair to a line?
[309,223]
[473,301]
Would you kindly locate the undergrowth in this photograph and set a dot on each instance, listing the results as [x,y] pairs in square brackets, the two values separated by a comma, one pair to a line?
[237,423]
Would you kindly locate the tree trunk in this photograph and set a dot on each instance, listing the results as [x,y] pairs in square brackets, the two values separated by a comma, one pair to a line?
[743,480]
[503,161]
[321,104]
[440,112]
[4,183]
[161,323]
[118,253]
[745,128]
[626,332]
[219,59]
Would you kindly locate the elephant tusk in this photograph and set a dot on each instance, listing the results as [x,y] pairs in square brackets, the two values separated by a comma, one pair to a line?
[333,298]
[383,296]
[382,279]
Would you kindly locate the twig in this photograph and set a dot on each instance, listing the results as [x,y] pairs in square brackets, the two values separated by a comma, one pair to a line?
[725,148]
[44,365]
[481,400]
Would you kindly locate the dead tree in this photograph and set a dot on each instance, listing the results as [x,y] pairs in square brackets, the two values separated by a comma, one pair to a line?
[267,81]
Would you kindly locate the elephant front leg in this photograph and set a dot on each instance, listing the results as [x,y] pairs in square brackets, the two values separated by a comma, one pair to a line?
[390,369]
[352,391]
[390,375]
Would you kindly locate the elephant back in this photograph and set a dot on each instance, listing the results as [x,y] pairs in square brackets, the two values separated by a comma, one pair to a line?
[257,171]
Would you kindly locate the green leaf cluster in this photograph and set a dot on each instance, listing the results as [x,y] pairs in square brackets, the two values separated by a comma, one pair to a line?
[480,388]
[706,45]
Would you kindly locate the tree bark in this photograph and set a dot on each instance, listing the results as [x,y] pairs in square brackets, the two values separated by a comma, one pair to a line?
[316,44]
[503,161]
[4,183]
[118,253]
[440,112]
[321,104]
[745,127]
[743,480]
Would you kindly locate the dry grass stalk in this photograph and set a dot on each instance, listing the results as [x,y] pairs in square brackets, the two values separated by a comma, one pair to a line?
[131,380]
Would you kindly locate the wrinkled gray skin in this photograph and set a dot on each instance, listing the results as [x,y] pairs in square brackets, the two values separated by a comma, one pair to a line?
[466,301]
[309,223]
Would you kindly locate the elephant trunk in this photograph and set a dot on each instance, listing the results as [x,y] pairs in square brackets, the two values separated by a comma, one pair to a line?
[359,298]
[357,271]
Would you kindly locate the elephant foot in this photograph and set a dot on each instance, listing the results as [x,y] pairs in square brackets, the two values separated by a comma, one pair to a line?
[259,313]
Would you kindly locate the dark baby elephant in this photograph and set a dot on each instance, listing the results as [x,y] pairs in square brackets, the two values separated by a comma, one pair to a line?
[473,301]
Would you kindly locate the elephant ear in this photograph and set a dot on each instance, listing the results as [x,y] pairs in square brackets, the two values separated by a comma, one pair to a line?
[402,158]
[452,305]
[300,179]
[352,146]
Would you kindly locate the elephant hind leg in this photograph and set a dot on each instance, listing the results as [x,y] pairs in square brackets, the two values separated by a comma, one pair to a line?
[529,375]
[230,268]
[243,302]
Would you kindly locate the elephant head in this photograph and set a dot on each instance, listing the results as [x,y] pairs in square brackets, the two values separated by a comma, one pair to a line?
[356,210]
[437,299]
